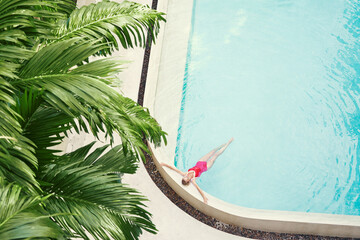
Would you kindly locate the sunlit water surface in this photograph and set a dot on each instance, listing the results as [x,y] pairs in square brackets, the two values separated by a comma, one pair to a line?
[281,77]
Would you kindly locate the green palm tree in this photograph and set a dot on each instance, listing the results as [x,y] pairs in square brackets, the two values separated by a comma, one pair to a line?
[48,87]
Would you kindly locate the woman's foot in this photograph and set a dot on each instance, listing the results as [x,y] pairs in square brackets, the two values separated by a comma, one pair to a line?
[225,146]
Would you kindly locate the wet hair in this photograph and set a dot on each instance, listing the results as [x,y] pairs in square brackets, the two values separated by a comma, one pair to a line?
[184,182]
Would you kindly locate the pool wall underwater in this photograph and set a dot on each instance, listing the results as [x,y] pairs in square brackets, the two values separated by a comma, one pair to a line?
[163,96]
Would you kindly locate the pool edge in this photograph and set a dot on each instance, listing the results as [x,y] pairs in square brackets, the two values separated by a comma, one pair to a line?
[326,225]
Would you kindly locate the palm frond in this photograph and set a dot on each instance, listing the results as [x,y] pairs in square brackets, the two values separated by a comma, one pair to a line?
[8,69]
[28,16]
[101,205]
[9,124]
[111,161]
[46,129]
[127,21]
[132,123]
[59,58]
[22,24]
[14,53]
[105,69]
[83,92]
[14,36]
[48,70]
[43,125]
[65,7]
[48,87]
[21,215]
[17,159]
[9,58]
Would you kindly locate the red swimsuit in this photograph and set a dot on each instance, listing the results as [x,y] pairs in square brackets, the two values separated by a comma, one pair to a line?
[199,168]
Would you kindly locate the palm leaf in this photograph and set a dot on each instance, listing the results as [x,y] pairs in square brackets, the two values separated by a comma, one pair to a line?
[22,23]
[17,159]
[127,21]
[111,161]
[65,7]
[64,86]
[46,129]
[133,123]
[9,58]
[14,52]
[9,124]
[45,126]
[8,69]
[59,58]
[27,17]
[48,70]
[100,204]
[21,216]
[83,92]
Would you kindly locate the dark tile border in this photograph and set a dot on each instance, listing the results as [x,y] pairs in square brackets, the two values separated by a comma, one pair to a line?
[145,66]
[186,207]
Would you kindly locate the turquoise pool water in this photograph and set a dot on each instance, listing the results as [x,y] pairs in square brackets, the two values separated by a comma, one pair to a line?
[283,78]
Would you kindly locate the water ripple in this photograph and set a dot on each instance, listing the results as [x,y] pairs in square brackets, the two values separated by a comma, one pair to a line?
[283,78]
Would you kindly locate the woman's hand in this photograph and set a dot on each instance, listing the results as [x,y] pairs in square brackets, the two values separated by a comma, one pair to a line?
[200,191]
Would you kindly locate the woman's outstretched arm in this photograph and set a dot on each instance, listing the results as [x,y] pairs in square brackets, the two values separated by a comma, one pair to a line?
[173,168]
[200,191]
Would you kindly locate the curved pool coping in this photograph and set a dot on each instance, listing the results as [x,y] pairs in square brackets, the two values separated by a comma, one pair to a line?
[163,95]
[265,220]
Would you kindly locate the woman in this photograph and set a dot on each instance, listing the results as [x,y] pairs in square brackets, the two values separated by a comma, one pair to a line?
[201,166]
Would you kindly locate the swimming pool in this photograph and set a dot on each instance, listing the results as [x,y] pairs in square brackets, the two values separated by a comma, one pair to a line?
[282,78]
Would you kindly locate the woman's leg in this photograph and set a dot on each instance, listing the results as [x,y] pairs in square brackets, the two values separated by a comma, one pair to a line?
[206,157]
[210,161]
